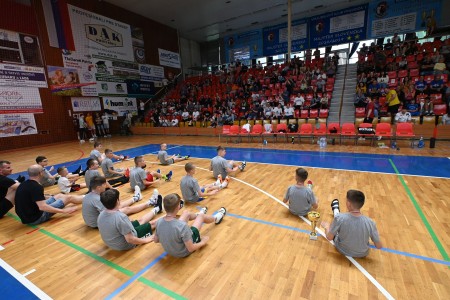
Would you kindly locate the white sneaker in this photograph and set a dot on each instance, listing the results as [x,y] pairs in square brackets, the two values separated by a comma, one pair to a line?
[137,194]
[153,198]
[225,182]
[218,217]
[203,210]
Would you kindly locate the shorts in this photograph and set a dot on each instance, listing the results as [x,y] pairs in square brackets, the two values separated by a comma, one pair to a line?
[195,235]
[393,109]
[46,215]
[143,230]
[5,206]
[170,161]
[149,177]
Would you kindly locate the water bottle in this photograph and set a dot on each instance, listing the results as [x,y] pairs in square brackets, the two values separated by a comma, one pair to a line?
[421,143]
[310,184]
[265,143]
[322,142]
[394,145]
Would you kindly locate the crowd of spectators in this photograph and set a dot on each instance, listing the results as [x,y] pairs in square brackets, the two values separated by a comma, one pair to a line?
[238,92]
[418,73]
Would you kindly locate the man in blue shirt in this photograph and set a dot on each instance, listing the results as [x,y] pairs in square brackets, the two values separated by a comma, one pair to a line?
[436,85]
[421,85]
[413,108]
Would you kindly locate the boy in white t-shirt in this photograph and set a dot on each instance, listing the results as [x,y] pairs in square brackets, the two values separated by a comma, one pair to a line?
[65,185]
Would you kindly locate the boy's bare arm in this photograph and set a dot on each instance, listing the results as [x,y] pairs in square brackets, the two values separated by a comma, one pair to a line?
[191,247]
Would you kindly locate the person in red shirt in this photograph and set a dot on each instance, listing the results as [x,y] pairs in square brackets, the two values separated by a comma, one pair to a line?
[370,108]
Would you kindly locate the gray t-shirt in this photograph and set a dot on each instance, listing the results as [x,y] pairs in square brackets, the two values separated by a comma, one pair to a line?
[107,165]
[172,235]
[95,154]
[189,188]
[219,165]
[46,180]
[113,227]
[352,234]
[163,156]
[301,199]
[137,175]
[92,207]
[89,175]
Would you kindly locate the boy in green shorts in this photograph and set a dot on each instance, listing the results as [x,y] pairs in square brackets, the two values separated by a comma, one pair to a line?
[175,235]
[117,231]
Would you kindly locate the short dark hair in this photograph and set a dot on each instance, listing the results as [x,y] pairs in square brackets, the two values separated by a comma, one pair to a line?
[189,167]
[109,198]
[4,162]
[91,162]
[301,174]
[171,202]
[356,198]
[107,151]
[220,148]
[96,144]
[40,158]
[138,159]
[96,181]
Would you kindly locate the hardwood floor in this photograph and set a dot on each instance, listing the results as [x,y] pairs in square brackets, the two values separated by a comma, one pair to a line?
[260,250]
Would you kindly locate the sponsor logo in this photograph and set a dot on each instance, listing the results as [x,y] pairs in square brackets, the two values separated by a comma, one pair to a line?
[103,35]
[11,96]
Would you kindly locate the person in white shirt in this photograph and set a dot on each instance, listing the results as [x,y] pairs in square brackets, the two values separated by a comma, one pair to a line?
[185,116]
[446,119]
[288,111]
[268,112]
[403,116]
[174,122]
[195,115]
[65,185]
[277,112]
[299,101]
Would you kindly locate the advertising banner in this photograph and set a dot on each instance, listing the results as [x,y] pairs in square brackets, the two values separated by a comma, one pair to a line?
[275,38]
[17,125]
[119,106]
[402,16]
[151,73]
[169,59]
[19,100]
[85,69]
[65,81]
[100,36]
[20,60]
[137,36]
[244,46]
[338,27]
[82,104]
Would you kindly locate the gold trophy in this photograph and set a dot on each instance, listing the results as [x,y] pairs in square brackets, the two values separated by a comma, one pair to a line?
[313,216]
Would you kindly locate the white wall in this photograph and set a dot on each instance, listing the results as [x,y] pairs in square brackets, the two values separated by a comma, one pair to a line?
[190,55]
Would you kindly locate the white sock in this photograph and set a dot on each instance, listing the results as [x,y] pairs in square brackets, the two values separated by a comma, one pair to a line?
[335,212]
[224,184]
[155,210]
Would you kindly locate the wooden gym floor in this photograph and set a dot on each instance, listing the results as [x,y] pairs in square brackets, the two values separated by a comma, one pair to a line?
[260,250]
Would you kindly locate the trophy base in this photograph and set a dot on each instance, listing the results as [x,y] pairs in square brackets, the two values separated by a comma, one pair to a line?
[313,237]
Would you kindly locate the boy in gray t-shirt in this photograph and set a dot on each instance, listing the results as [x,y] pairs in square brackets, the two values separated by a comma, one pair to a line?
[142,178]
[220,166]
[165,159]
[301,198]
[96,154]
[108,167]
[92,206]
[175,235]
[191,190]
[351,231]
[117,231]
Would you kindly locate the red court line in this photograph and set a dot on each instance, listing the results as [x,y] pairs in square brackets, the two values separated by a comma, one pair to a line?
[81,156]
[33,231]
[8,242]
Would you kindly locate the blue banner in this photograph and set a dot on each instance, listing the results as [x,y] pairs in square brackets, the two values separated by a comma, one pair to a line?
[275,38]
[243,46]
[338,27]
[402,16]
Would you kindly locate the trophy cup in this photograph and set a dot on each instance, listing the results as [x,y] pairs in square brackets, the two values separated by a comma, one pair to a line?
[313,216]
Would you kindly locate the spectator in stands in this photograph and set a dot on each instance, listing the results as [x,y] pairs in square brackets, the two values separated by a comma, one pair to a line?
[413,108]
[303,86]
[315,102]
[383,80]
[360,99]
[174,122]
[427,107]
[317,54]
[324,101]
[374,89]
[331,70]
[288,112]
[361,87]
[446,119]
[393,103]
[403,63]
[427,66]
[362,78]
[403,116]
[440,67]
[370,111]
[389,45]
[396,40]
[437,85]
[421,86]
[277,112]
[320,84]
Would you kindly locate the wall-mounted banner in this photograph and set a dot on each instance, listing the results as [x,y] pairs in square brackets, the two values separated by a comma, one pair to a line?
[19,100]
[20,60]
[243,46]
[119,106]
[137,35]
[402,16]
[151,73]
[275,38]
[338,27]
[81,104]
[85,68]
[17,125]
[65,81]
[169,58]
[100,36]
[140,89]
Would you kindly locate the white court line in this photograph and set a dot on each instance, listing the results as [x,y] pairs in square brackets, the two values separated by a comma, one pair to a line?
[1,248]
[28,284]
[151,153]
[351,259]
[29,272]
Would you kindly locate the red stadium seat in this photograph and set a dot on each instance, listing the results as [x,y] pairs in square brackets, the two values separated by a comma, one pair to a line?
[402,73]
[304,114]
[440,109]
[313,113]
[414,72]
[323,113]
[436,98]
[348,131]
[306,130]
[405,131]
[384,130]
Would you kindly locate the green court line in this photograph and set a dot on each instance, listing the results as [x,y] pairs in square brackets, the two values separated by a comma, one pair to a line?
[421,214]
[161,288]
[102,260]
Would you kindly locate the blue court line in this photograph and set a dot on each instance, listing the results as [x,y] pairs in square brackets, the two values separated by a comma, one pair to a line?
[136,276]
[407,254]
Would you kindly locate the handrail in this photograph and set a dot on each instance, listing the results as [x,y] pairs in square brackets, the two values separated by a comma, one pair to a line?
[343,89]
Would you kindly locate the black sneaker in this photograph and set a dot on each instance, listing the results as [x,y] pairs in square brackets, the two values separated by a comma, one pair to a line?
[242,166]
[159,203]
[334,205]
[169,176]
